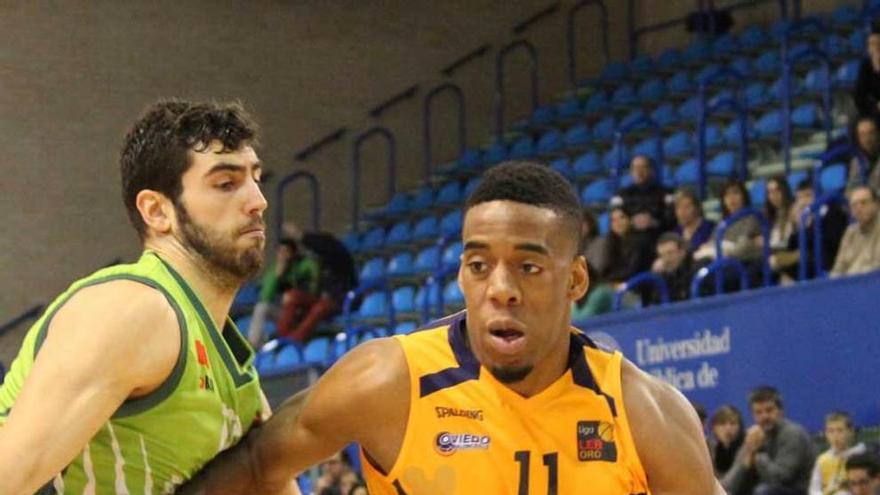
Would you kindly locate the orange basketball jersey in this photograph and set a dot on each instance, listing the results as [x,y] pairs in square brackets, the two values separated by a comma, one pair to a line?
[468,434]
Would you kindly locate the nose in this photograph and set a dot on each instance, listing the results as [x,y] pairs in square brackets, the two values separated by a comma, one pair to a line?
[503,288]
[256,202]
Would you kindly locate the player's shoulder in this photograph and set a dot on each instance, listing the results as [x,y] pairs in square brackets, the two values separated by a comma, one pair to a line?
[651,401]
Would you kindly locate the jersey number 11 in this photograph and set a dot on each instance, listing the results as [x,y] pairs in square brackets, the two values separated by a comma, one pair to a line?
[523,457]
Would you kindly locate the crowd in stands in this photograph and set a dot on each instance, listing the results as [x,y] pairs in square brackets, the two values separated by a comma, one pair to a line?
[776,456]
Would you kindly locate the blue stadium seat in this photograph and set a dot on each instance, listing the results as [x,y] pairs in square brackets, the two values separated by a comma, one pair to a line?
[471,159]
[815,80]
[665,115]
[836,46]
[725,46]
[246,297]
[522,148]
[597,192]
[798,53]
[678,145]
[698,52]
[624,96]
[427,260]
[596,103]
[642,65]
[426,228]
[847,74]
[373,269]
[614,72]
[561,165]
[768,64]
[647,147]
[405,327]
[450,225]
[652,90]
[753,38]
[722,165]
[845,16]
[758,192]
[423,199]
[778,29]
[352,241]
[399,204]
[604,129]
[373,239]
[374,306]
[632,117]
[604,220]
[680,83]
[569,109]
[732,133]
[400,233]
[587,164]
[742,66]
[496,153]
[611,157]
[288,357]
[452,294]
[451,255]
[757,95]
[707,73]
[858,41]
[794,178]
[714,138]
[401,265]
[470,187]
[806,116]
[549,142]
[449,194]
[833,177]
[669,59]
[404,299]
[318,351]
[543,115]
[576,136]
[723,95]
[690,109]
[433,295]
[686,173]
[769,125]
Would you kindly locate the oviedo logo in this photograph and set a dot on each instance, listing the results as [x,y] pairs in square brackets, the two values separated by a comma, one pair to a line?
[447,443]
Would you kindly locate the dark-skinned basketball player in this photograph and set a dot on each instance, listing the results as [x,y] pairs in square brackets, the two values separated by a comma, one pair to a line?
[504,397]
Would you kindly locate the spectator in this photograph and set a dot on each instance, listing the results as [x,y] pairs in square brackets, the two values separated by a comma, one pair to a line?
[727,438]
[860,247]
[675,266]
[595,245]
[692,227]
[829,477]
[778,211]
[867,134]
[777,454]
[646,201]
[867,91]
[629,250]
[785,263]
[337,476]
[599,298]
[863,475]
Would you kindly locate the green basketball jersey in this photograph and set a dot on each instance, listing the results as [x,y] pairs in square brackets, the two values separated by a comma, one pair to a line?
[155,442]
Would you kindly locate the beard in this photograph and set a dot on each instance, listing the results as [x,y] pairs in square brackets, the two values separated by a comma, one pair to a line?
[228,264]
[510,374]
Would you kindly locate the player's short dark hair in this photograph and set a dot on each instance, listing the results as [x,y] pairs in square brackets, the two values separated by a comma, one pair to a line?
[531,183]
[866,461]
[154,153]
[672,237]
[765,393]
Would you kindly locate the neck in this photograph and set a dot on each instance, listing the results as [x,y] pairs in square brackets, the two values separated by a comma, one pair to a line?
[214,290]
[693,224]
[546,372]
[869,225]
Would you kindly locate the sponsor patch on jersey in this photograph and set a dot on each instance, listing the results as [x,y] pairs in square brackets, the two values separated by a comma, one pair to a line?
[454,412]
[595,441]
[448,443]
[201,353]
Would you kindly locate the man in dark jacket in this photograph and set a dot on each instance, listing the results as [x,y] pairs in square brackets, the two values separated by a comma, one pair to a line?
[867,91]
[646,201]
[675,265]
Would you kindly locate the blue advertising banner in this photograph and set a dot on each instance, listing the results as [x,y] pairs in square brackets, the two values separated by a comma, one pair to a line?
[818,343]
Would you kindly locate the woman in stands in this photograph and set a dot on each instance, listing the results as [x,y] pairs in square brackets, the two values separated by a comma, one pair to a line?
[727,437]
[629,251]
[778,212]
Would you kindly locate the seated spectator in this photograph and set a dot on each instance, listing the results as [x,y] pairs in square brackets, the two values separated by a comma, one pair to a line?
[692,227]
[599,298]
[863,475]
[778,211]
[829,476]
[740,240]
[786,263]
[777,454]
[866,94]
[646,201]
[629,251]
[727,438]
[337,476]
[674,264]
[867,136]
[595,246]
[860,247]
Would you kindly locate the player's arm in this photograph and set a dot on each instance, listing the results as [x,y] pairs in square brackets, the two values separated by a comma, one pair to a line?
[107,343]
[668,437]
[364,398]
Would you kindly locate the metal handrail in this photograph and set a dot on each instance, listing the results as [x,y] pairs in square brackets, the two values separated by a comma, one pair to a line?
[391,161]
[314,185]
[787,63]
[618,142]
[572,46]
[814,210]
[438,279]
[726,223]
[639,279]
[705,111]
[426,123]
[719,265]
[499,80]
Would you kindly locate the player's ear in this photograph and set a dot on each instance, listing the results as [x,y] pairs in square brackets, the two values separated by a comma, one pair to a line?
[579,278]
[155,209]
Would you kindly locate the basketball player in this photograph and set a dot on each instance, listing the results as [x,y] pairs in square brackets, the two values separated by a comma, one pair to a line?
[505,398]
[135,377]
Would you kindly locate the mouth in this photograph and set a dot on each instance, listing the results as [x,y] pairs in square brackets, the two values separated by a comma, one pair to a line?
[507,337]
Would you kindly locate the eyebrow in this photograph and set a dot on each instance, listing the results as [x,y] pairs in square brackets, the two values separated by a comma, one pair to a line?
[525,246]
[231,167]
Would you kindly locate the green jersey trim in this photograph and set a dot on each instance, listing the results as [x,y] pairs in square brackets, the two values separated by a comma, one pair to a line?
[140,404]
[239,376]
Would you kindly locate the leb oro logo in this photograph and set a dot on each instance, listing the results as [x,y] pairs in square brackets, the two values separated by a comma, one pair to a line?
[447,443]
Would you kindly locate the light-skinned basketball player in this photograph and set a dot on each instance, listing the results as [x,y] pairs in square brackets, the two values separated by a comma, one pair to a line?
[133,378]
[503,398]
